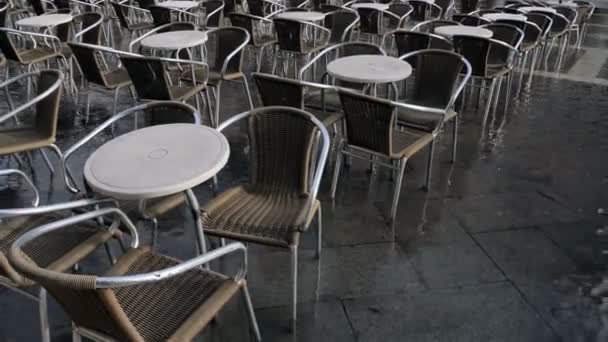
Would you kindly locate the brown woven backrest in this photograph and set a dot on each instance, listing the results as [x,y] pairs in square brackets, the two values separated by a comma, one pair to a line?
[281,151]
[277,91]
[89,63]
[227,40]
[369,122]
[47,110]
[148,76]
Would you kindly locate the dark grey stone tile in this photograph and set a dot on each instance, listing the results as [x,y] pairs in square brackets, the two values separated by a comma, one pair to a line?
[486,313]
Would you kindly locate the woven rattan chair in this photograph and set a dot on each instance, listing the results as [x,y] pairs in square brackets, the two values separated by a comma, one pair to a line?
[117,305]
[293,43]
[45,104]
[260,30]
[439,78]
[370,132]
[280,200]
[153,113]
[341,25]
[58,252]
[226,64]
[92,61]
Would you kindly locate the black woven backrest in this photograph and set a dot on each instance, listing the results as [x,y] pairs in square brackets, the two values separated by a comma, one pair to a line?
[340,23]
[86,20]
[369,122]
[505,33]
[359,48]
[227,40]
[229,6]
[148,77]
[8,48]
[121,12]
[245,22]
[542,20]
[468,6]
[473,20]
[281,151]
[532,33]
[431,25]
[317,4]
[4,6]
[444,4]
[436,77]
[88,62]
[215,19]
[63,6]
[145,4]
[167,114]
[509,10]
[160,15]
[278,91]
[560,23]
[421,9]
[256,7]
[517,23]
[369,20]
[476,50]
[410,41]
[288,34]
[400,9]
[47,110]
[37,6]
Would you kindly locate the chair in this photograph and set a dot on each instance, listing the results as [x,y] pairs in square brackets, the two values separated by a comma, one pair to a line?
[55,252]
[136,20]
[147,114]
[560,32]
[116,306]
[293,43]
[585,12]
[438,83]
[260,30]
[370,132]
[92,61]
[214,13]
[477,50]
[280,201]
[430,25]
[410,41]
[152,79]
[423,10]
[341,25]
[226,64]
[470,20]
[41,134]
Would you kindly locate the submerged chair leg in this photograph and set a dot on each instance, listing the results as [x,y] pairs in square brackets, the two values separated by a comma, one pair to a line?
[454,138]
[247,91]
[43,313]
[294,286]
[319,233]
[401,167]
[489,100]
[251,313]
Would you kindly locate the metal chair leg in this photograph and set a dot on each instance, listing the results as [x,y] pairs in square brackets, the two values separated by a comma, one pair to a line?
[497,96]
[43,314]
[319,233]
[294,286]
[247,91]
[217,102]
[334,181]
[429,166]
[75,334]
[489,100]
[454,138]
[47,161]
[251,313]
[401,166]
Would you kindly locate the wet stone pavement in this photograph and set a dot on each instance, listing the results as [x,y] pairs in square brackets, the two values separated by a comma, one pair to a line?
[501,248]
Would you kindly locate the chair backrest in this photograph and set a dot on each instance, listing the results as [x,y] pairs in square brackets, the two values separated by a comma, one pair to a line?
[410,41]
[289,34]
[520,24]
[369,20]
[430,25]
[341,25]
[250,23]
[279,91]
[256,7]
[400,9]
[445,5]
[509,34]
[283,142]
[4,7]
[436,77]
[214,10]
[7,46]
[420,11]
[37,6]
[476,50]
[468,6]
[472,20]
[160,15]
[230,43]
[369,121]
[508,10]
[47,110]
[145,4]
[88,60]
[121,13]
[149,77]
[542,20]
[560,24]
[90,27]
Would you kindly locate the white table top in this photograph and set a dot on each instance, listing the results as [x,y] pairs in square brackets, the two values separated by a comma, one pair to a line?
[180,4]
[463,30]
[174,40]
[372,5]
[156,161]
[45,20]
[369,69]
[302,15]
[537,8]
[505,16]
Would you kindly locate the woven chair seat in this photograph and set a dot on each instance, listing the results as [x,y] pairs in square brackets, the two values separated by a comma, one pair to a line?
[181,93]
[154,207]
[423,120]
[57,251]
[310,46]
[175,309]
[141,26]
[117,78]
[23,139]
[36,55]
[407,142]
[213,76]
[271,218]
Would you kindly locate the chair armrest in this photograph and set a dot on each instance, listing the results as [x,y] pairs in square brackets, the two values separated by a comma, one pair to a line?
[20,173]
[5,213]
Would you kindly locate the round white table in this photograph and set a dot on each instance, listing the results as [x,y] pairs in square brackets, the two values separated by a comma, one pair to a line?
[369,69]
[156,161]
[45,20]
[180,4]
[505,16]
[159,161]
[175,40]
[371,5]
[302,16]
[527,9]
[462,30]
